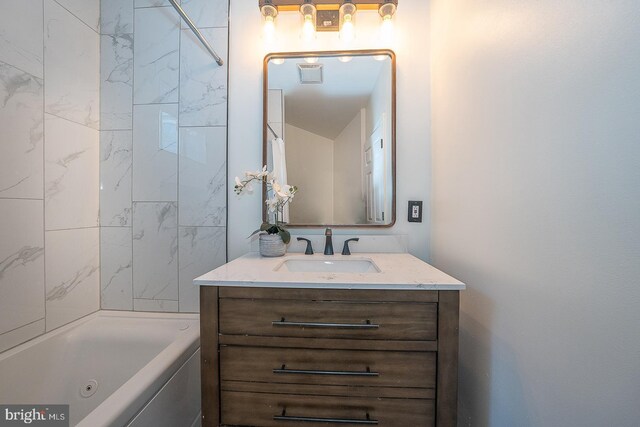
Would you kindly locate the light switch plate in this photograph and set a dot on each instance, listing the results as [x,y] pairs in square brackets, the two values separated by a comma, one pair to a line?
[415,211]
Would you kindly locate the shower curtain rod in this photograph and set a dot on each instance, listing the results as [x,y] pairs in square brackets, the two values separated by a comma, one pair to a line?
[197,32]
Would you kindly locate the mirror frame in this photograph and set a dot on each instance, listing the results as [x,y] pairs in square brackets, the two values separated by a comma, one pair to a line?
[265,133]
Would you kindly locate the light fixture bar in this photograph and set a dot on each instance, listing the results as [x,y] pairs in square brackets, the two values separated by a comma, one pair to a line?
[294,5]
[327,15]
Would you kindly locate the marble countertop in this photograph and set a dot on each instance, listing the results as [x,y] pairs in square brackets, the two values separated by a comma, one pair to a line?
[398,271]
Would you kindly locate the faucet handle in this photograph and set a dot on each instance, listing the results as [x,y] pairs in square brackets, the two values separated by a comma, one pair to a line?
[309,250]
[345,248]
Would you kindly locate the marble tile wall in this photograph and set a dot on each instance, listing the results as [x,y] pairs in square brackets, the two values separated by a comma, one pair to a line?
[49,160]
[162,152]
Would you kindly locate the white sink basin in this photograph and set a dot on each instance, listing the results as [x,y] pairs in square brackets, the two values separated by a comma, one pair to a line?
[352,265]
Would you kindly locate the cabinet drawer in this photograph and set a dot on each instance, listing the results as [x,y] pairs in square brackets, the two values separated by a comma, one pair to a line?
[267,410]
[329,319]
[328,367]
[304,293]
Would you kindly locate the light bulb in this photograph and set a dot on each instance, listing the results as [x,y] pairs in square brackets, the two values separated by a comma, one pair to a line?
[386,30]
[311,59]
[347,32]
[269,12]
[278,61]
[308,29]
[269,29]
[345,58]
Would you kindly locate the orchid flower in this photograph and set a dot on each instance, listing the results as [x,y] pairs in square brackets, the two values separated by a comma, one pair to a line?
[272,204]
[281,194]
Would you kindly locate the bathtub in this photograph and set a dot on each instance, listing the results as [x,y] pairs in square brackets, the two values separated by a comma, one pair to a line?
[113,368]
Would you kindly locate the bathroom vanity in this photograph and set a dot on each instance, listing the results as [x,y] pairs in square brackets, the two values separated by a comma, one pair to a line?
[368,339]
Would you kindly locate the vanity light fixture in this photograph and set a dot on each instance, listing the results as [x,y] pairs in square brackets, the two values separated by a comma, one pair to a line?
[308,12]
[269,13]
[347,21]
[386,11]
[328,15]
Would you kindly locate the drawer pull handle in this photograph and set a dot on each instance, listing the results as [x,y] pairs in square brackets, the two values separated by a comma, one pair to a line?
[286,323]
[366,373]
[285,417]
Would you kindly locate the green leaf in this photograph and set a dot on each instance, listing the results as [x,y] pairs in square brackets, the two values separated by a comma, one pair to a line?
[254,233]
[265,226]
[285,236]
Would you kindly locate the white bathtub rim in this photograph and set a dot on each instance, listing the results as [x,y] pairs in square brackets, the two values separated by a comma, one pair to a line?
[46,336]
[100,313]
[126,401]
[123,404]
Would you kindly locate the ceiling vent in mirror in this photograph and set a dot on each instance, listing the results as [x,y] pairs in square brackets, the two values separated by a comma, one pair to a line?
[310,73]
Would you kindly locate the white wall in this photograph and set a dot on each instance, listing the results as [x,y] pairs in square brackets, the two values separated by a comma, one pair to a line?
[313,203]
[163,153]
[49,118]
[245,110]
[537,206]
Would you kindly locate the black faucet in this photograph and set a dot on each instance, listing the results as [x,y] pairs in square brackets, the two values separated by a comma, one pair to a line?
[328,246]
[309,250]
[345,248]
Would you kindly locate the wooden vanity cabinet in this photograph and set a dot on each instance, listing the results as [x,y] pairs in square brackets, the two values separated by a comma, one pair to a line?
[322,357]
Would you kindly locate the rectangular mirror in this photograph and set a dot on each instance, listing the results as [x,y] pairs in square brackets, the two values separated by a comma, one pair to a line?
[329,129]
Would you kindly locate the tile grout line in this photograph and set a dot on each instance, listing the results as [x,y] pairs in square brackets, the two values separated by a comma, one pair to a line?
[203,126]
[24,198]
[226,146]
[133,90]
[149,201]
[178,157]
[20,327]
[155,103]
[100,135]
[44,167]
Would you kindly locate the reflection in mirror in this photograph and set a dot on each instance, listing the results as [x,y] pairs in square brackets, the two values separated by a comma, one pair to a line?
[329,130]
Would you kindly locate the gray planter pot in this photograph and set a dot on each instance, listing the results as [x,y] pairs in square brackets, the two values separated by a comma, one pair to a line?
[271,245]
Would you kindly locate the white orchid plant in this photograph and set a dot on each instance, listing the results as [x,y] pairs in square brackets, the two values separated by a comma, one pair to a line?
[280,195]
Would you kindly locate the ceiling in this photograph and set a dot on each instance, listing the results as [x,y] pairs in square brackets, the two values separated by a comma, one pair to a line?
[326,109]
